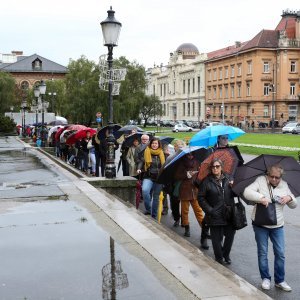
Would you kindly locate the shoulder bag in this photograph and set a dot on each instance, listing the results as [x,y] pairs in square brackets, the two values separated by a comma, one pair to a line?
[265,215]
[239,219]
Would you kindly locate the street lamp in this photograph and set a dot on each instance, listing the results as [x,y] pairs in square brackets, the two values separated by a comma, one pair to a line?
[110,30]
[23,106]
[42,88]
[52,95]
[36,95]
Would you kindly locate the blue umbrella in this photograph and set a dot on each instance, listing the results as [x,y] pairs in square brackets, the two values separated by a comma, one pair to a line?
[208,136]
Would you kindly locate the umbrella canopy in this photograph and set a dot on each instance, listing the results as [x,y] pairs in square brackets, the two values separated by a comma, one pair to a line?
[208,136]
[102,132]
[80,134]
[129,139]
[127,130]
[247,173]
[59,132]
[226,155]
[166,139]
[76,127]
[65,134]
[54,129]
[169,169]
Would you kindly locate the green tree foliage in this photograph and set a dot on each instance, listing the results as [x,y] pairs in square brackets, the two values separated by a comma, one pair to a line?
[7,125]
[83,96]
[7,92]
[150,107]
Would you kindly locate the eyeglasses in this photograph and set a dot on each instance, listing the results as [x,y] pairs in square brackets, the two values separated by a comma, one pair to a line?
[275,177]
[216,166]
[224,137]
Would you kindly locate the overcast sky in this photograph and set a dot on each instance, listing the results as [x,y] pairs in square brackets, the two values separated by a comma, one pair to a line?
[63,29]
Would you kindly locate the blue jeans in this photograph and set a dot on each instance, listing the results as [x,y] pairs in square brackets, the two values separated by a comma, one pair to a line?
[276,235]
[147,187]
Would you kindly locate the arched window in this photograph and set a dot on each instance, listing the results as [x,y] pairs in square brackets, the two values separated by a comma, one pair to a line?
[24,85]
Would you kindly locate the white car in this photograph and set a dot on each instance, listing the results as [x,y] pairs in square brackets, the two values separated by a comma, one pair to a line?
[182,128]
[289,127]
[296,130]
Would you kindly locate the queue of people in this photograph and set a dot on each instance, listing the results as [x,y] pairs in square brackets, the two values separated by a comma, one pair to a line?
[212,199]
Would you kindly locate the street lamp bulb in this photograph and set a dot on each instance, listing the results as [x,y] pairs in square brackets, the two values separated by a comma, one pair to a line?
[110,29]
[42,88]
[36,92]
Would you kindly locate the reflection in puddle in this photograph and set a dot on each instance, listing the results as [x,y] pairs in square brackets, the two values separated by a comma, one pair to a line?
[113,276]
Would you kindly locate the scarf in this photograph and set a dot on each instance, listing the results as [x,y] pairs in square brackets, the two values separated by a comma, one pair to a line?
[148,156]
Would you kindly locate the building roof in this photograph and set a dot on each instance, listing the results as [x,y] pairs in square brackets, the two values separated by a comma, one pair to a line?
[25,64]
[264,39]
[288,23]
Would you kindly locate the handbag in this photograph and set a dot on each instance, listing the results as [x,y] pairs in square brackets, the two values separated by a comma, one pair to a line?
[239,219]
[265,215]
[89,144]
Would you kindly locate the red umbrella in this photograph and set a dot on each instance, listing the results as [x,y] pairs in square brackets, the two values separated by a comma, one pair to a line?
[59,132]
[226,155]
[80,134]
[76,127]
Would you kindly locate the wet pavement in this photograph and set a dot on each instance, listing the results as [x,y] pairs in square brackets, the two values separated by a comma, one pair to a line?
[63,239]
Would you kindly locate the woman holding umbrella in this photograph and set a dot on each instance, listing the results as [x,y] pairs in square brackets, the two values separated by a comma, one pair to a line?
[153,159]
[217,200]
[186,173]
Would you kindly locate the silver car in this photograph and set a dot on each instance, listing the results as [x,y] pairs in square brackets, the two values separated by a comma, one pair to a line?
[182,128]
[289,127]
[296,130]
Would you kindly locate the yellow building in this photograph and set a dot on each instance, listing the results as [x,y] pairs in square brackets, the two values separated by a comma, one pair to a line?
[257,80]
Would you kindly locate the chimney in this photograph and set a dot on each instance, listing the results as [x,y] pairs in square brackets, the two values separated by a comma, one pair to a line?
[17,53]
[238,44]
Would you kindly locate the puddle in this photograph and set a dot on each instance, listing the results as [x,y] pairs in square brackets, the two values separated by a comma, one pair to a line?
[55,250]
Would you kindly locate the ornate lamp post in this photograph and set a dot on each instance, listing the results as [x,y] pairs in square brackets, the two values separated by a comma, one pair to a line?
[110,30]
[36,95]
[23,106]
[42,88]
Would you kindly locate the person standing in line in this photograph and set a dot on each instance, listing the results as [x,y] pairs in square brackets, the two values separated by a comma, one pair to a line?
[188,192]
[139,151]
[96,144]
[262,190]
[153,159]
[130,158]
[216,198]
[85,152]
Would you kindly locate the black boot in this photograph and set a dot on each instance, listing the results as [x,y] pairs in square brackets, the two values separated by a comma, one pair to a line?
[203,239]
[187,231]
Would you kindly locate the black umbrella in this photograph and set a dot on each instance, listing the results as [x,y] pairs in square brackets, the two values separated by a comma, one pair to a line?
[168,170]
[136,136]
[166,139]
[127,129]
[247,173]
[102,132]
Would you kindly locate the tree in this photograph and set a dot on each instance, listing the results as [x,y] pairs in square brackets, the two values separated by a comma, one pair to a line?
[150,107]
[7,92]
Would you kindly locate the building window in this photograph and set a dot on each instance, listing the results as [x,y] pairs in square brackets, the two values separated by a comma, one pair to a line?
[189,109]
[153,87]
[209,93]
[232,90]
[293,67]
[215,74]
[266,110]
[189,86]
[266,89]
[209,75]
[198,79]
[220,73]
[232,71]
[292,89]
[220,92]
[215,93]
[226,92]
[266,67]
[239,90]
[24,85]
[161,90]
[231,110]
[226,72]
[183,86]
[183,109]
[193,85]
[249,67]
[174,86]
[248,89]
[293,111]
[239,67]
[193,109]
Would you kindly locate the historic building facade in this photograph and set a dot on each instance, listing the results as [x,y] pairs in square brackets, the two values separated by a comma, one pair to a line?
[29,70]
[257,80]
[180,85]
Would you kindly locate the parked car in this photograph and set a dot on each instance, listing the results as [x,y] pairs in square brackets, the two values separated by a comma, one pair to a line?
[182,128]
[262,124]
[296,130]
[289,127]
[208,124]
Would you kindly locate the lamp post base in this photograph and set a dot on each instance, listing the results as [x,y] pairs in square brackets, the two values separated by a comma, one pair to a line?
[110,167]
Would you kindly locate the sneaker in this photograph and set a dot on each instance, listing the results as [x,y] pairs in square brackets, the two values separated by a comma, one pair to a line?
[284,286]
[266,284]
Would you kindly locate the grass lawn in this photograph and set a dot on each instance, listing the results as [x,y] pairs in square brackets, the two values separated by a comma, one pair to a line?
[283,140]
